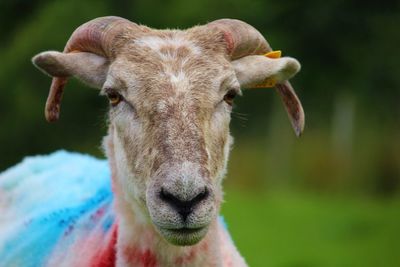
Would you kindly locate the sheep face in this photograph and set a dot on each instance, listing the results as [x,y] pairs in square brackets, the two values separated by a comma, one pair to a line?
[169,124]
[171,95]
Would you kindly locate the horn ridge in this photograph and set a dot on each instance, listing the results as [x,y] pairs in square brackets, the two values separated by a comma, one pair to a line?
[241,38]
[97,35]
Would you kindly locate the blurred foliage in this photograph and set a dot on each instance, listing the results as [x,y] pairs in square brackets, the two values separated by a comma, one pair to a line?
[289,229]
[349,86]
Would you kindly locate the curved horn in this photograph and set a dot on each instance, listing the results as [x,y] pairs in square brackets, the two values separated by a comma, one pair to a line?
[242,40]
[96,36]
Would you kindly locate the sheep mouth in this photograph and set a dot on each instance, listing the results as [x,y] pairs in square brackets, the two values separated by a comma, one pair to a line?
[184,236]
[185,230]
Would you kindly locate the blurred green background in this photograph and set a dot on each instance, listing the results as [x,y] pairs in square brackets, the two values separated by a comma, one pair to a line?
[330,198]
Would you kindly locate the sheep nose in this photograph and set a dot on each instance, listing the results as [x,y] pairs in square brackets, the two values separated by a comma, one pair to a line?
[183,207]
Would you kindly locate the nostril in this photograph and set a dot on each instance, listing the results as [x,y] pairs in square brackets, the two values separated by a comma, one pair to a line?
[202,195]
[183,207]
[169,198]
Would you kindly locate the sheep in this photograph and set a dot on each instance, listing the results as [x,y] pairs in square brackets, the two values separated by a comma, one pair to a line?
[155,201]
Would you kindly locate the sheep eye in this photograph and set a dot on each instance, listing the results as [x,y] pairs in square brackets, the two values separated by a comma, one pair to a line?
[230,96]
[114,98]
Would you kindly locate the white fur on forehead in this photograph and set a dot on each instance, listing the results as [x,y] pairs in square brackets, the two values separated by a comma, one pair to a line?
[156,43]
[170,62]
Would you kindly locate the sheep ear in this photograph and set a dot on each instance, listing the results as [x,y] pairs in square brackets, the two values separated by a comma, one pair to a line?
[262,71]
[254,70]
[87,67]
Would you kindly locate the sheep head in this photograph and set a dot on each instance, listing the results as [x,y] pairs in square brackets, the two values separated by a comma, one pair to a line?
[171,95]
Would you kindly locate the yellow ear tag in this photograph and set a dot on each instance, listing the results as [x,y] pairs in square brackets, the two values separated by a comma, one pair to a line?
[269,82]
[274,54]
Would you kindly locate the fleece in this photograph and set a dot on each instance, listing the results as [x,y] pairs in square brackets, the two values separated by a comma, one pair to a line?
[54,204]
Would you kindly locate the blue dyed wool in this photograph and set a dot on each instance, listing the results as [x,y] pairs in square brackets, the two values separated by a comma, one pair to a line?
[46,198]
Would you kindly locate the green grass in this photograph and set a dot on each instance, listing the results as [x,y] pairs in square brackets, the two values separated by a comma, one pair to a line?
[303,230]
